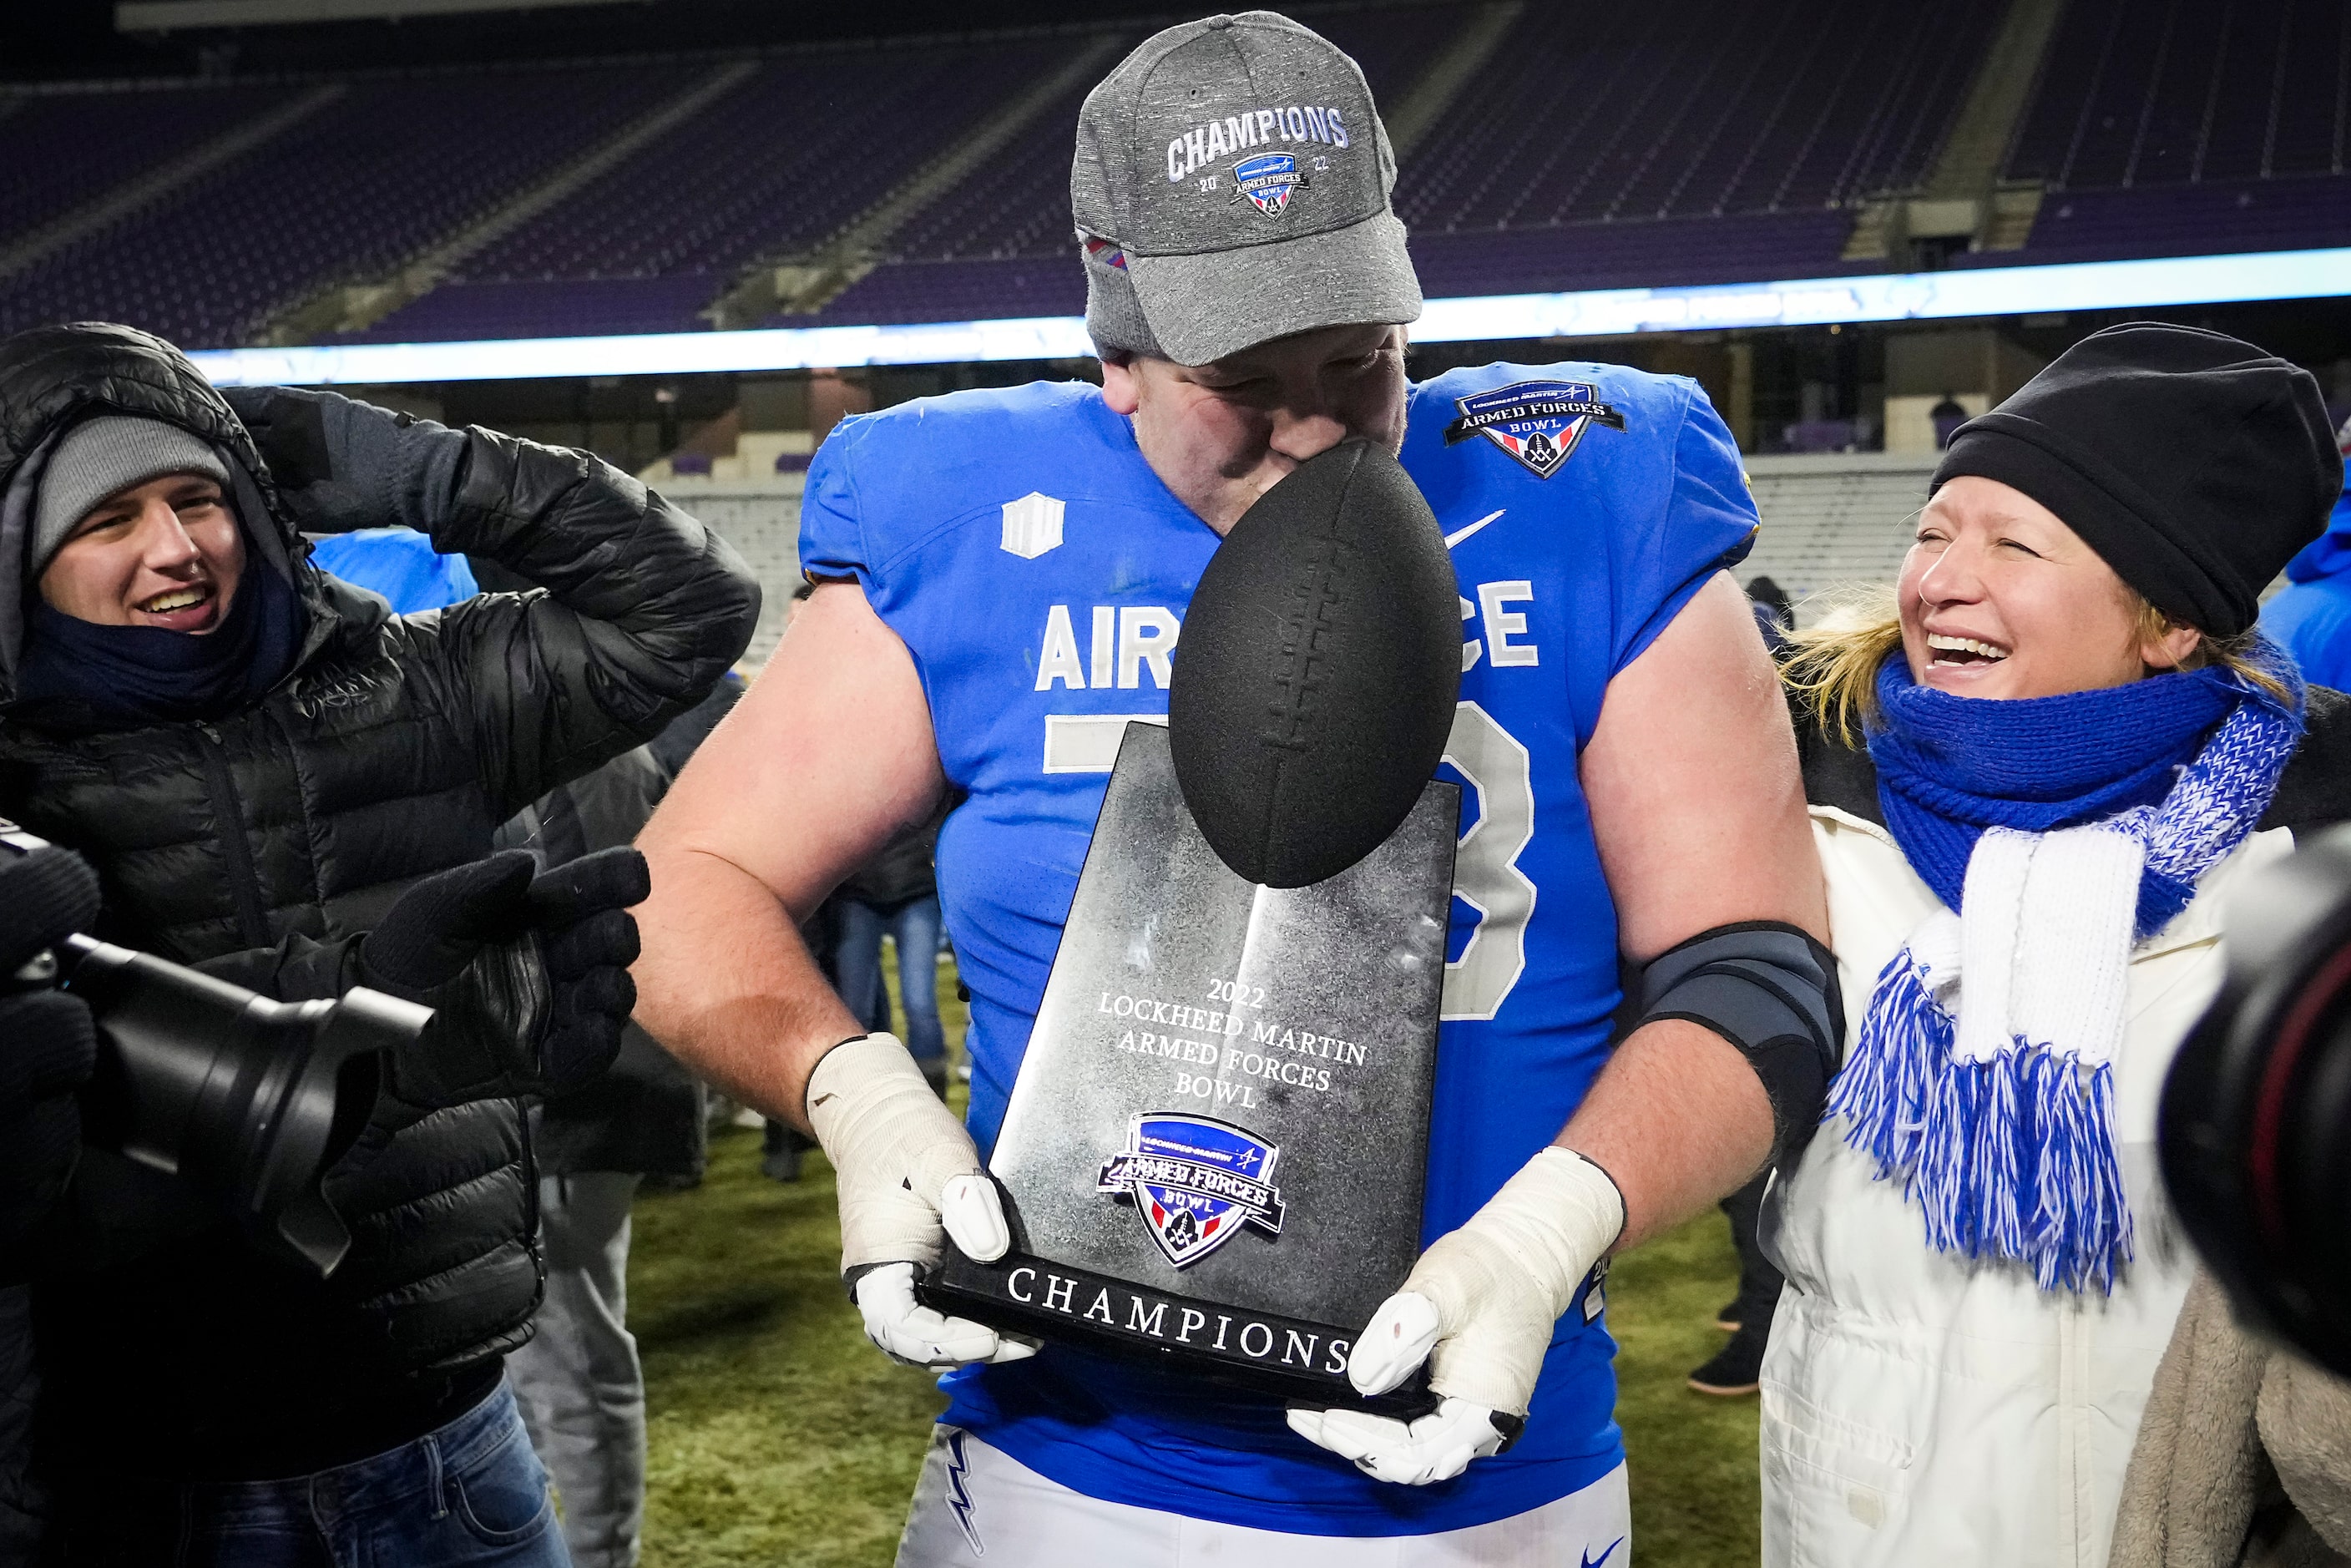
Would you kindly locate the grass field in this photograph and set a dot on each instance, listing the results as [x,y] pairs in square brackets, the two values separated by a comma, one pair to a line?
[779,1436]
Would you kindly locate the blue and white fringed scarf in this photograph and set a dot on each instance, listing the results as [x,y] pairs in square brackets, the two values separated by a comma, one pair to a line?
[2062,831]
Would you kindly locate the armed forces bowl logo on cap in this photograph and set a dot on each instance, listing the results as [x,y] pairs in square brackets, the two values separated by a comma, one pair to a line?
[1538,422]
[1268,180]
[1196,1181]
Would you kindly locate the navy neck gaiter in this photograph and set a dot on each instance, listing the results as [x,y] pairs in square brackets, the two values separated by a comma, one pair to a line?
[82,676]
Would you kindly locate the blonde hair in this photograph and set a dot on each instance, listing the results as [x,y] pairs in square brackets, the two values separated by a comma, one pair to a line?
[1833,664]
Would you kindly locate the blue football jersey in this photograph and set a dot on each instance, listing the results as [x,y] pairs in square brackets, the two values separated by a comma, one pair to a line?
[1038,571]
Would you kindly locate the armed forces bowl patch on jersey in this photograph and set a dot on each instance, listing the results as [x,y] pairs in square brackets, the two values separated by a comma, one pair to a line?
[1540,423]
[1196,1181]
[1269,179]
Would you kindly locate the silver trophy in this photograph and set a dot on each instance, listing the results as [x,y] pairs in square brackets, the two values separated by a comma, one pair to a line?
[1215,1150]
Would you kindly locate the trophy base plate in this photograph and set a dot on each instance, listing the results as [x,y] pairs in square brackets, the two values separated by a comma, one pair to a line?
[1250,1352]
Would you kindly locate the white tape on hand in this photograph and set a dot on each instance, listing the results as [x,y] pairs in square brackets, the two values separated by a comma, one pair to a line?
[897,1152]
[1480,1304]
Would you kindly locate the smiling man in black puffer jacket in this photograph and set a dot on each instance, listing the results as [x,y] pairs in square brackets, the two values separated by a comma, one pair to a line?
[342,776]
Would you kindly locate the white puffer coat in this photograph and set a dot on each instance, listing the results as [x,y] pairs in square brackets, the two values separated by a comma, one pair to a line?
[1921,1409]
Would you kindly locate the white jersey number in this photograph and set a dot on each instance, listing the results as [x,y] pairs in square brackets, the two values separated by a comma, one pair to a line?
[1486,873]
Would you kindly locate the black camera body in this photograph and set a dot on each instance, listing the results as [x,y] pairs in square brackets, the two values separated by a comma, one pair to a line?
[2254,1132]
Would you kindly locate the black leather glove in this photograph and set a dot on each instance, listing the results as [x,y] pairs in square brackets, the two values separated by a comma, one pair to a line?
[527,972]
[47,1043]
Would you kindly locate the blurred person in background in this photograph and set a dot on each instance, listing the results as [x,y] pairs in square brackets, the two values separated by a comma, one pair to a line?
[399,564]
[896,894]
[1946,417]
[2036,768]
[1731,1372]
[1655,780]
[578,1379]
[279,780]
[2312,618]
[1775,612]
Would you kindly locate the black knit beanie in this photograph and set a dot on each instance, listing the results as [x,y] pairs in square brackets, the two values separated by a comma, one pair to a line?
[2195,465]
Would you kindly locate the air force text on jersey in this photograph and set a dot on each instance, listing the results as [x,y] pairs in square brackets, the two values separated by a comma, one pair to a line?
[1128,644]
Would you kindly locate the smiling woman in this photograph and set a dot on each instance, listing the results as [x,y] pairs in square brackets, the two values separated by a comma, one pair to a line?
[2036,760]
[1833,666]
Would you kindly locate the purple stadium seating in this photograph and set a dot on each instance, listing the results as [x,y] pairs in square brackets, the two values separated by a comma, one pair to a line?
[1688,141]
[1655,253]
[2140,92]
[350,192]
[982,289]
[777,165]
[1393,43]
[1629,113]
[2216,218]
[549,307]
[1020,204]
[65,150]
[2162,129]
[1514,261]
[1000,246]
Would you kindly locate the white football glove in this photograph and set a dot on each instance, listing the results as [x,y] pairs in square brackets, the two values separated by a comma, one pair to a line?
[907,1174]
[1480,1308]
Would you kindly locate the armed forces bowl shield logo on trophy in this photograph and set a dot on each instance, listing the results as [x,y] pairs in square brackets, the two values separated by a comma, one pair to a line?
[1214,1153]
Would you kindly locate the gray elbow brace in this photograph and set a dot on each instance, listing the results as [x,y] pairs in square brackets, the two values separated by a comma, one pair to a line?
[1769,989]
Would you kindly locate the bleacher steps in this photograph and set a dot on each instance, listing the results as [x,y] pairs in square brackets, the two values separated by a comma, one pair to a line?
[1833,520]
[1473,44]
[351,306]
[2013,209]
[1873,232]
[119,203]
[807,283]
[1959,198]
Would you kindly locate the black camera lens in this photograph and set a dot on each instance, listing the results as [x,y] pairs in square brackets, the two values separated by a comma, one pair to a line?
[240,1096]
[243,1098]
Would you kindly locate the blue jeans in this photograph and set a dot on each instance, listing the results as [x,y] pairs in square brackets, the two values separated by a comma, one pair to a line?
[470,1495]
[916,927]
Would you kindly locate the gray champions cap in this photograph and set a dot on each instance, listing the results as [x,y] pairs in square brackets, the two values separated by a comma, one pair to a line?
[1231,186]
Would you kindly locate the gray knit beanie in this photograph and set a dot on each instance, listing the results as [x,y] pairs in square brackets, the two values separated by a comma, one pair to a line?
[103,457]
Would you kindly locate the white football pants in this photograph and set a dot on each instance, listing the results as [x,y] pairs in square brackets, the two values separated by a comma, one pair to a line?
[1004,1514]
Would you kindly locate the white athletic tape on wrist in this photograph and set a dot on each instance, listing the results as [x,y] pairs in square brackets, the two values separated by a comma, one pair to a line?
[1491,1291]
[905,1163]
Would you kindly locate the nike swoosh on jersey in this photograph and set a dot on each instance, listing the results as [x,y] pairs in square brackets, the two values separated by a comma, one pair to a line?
[1456,537]
[1589,1559]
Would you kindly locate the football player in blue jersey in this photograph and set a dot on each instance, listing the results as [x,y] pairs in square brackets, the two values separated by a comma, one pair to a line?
[1002,581]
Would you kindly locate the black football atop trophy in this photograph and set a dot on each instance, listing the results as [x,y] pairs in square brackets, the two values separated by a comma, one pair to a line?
[1214,1153]
[1321,662]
